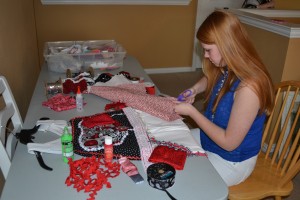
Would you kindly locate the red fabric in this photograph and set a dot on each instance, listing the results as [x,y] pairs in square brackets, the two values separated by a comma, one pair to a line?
[135,96]
[91,174]
[99,120]
[115,106]
[173,157]
[60,102]
[71,86]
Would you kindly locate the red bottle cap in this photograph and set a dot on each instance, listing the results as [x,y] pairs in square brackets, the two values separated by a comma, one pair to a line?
[78,90]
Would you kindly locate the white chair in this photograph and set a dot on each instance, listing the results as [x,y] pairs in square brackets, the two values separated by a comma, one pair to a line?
[11,122]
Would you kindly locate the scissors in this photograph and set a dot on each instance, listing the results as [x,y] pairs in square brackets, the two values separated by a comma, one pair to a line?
[187,93]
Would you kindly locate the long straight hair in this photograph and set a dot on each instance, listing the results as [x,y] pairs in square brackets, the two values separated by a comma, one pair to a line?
[226,31]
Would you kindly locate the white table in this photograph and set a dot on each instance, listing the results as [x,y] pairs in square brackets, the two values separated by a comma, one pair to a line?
[27,180]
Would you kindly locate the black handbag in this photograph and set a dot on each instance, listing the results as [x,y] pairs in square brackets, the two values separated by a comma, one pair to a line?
[253,3]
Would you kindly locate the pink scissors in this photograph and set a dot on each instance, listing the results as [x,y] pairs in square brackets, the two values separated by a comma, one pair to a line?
[182,96]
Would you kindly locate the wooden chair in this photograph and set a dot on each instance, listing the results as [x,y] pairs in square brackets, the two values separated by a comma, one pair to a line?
[11,122]
[278,161]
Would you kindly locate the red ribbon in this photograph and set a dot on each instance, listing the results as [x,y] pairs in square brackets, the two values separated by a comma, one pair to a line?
[71,86]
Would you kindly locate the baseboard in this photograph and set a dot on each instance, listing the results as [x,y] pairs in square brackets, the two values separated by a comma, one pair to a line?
[169,70]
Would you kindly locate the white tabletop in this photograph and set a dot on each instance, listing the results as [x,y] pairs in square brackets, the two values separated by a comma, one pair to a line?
[27,180]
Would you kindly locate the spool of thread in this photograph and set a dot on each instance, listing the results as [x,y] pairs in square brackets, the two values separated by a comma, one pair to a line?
[150,88]
[53,88]
[135,80]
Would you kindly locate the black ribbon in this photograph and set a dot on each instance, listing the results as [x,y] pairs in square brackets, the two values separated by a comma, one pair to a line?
[171,197]
[161,176]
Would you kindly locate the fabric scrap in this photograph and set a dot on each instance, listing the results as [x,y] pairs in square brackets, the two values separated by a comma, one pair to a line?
[60,102]
[174,157]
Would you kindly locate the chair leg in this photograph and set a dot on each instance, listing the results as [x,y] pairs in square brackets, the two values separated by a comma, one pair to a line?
[277,197]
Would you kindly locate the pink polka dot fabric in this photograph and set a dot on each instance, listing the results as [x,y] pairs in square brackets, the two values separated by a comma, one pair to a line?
[60,102]
[135,96]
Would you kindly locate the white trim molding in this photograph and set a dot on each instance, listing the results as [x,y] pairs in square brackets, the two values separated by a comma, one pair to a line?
[263,19]
[169,70]
[116,2]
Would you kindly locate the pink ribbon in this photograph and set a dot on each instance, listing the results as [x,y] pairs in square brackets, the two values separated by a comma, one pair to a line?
[128,167]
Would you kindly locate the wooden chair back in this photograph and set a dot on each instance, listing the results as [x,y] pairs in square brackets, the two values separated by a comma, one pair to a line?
[282,129]
[278,161]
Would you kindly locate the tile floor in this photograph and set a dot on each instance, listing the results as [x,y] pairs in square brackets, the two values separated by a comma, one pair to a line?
[174,83]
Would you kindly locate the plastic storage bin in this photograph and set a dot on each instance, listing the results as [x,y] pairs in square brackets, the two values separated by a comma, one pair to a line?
[75,55]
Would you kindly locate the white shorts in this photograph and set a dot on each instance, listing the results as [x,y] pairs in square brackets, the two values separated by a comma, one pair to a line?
[232,173]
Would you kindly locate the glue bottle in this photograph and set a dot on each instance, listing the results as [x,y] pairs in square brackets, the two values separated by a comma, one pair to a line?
[108,150]
[67,145]
[79,100]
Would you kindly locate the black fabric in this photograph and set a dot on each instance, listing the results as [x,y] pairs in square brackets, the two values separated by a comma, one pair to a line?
[124,140]
[253,3]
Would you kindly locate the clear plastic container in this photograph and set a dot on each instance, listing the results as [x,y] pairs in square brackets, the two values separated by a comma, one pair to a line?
[75,55]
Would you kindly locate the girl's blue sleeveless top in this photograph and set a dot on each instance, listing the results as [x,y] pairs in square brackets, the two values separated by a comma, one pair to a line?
[251,144]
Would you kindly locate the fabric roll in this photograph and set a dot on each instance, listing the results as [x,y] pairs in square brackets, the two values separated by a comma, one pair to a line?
[135,96]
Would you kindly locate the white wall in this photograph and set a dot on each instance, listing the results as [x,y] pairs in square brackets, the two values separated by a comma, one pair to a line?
[205,7]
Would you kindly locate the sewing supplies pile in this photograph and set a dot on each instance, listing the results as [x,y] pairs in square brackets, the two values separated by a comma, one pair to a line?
[139,127]
[84,79]
[127,127]
[59,93]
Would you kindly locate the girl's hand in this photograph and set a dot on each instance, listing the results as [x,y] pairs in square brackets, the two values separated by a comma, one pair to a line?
[184,108]
[187,96]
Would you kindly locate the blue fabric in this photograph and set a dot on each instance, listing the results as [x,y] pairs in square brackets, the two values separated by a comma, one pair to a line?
[250,146]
